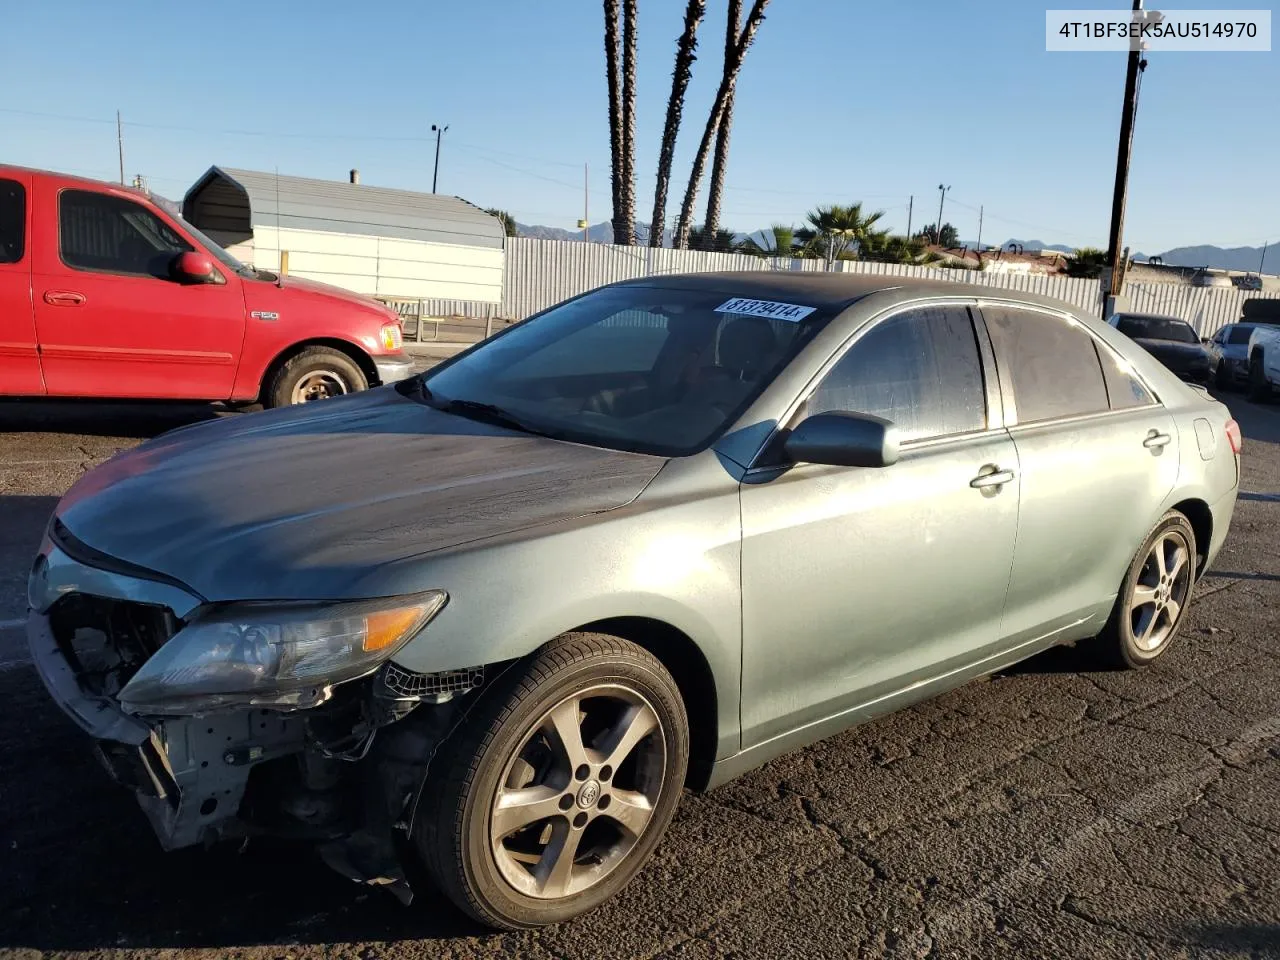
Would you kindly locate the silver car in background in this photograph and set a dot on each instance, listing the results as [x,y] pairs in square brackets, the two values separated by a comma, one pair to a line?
[495,618]
[1229,355]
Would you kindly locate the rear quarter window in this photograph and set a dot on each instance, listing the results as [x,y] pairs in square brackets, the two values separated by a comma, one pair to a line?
[13,221]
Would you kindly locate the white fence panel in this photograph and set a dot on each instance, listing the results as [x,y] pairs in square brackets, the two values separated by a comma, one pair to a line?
[1208,309]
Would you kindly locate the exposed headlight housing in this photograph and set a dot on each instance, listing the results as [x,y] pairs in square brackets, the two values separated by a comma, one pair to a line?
[283,655]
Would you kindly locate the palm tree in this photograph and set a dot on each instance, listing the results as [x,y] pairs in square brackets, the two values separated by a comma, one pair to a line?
[617,166]
[880,245]
[728,81]
[627,192]
[507,220]
[721,159]
[777,241]
[704,238]
[686,45]
[834,231]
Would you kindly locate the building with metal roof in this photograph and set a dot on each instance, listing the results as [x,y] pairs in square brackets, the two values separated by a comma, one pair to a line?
[372,240]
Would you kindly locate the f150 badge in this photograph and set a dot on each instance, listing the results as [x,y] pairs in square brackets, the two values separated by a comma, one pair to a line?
[264,315]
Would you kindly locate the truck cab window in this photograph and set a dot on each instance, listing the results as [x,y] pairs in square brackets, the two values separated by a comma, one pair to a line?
[107,234]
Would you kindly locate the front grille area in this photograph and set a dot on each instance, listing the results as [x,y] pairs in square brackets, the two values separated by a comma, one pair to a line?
[107,641]
[400,682]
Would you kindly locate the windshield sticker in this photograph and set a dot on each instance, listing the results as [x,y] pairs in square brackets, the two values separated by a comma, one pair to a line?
[745,306]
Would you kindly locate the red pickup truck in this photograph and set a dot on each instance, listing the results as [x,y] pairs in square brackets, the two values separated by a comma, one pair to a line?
[104,294]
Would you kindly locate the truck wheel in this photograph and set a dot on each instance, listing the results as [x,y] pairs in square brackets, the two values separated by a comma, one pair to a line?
[1259,389]
[316,373]
[559,785]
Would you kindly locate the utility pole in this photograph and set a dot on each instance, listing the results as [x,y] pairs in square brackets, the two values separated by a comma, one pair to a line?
[586,214]
[1124,152]
[439,132]
[1262,259]
[941,199]
[980,208]
[911,202]
[120,145]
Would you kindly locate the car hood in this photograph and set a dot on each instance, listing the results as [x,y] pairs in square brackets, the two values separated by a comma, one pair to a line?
[267,294]
[301,502]
[1173,349]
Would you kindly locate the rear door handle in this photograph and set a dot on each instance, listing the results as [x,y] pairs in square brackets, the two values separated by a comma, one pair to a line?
[993,477]
[1155,440]
[63,298]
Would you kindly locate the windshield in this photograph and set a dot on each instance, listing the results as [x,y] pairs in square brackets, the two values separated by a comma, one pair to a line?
[633,368]
[226,259]
[1158,328]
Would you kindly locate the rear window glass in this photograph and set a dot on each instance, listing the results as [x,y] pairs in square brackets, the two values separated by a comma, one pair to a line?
[1052,362]
[13,221]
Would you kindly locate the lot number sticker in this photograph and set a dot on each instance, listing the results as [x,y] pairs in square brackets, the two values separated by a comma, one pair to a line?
[765,308]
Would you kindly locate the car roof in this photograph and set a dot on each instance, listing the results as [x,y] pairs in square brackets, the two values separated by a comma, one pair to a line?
[831,291]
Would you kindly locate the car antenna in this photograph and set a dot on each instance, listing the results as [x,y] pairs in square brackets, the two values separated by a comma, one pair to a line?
[279,239]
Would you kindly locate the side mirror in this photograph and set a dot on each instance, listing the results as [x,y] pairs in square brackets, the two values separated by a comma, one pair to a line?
[843,440]
[1207,341]
[192,267]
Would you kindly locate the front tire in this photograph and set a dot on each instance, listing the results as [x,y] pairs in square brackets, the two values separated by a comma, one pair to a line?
[559,785]
[315,373]
[1222,377]
[1154,596]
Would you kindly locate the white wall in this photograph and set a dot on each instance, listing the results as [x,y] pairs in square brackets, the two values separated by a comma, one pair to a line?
[380,266]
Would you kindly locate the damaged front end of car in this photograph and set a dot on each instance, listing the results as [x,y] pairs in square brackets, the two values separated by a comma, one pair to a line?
[232,721]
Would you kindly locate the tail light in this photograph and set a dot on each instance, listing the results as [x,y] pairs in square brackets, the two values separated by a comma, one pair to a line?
[392,337]
[1233,437]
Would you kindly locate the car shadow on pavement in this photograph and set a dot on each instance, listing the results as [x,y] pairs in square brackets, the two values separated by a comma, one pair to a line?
[140,419]
[1259,939]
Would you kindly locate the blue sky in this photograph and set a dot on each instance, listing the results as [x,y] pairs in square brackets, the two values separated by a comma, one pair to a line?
[840,100]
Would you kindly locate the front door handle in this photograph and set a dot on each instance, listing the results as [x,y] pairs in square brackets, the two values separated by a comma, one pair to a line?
[992,476]
[1155,440]
[63,298]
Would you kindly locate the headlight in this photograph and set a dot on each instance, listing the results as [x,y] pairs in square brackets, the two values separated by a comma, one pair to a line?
[283,655]
[392,337]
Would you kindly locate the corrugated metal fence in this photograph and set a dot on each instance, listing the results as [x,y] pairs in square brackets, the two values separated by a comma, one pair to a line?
[541,273]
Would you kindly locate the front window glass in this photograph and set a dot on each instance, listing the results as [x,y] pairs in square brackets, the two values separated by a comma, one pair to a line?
[97,231]
[653,370]
[920,369]
[1239,335]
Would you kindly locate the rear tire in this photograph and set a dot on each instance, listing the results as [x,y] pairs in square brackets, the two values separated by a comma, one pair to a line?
[1222,377]
[1153,598]
[1259,389]
[314,373]
[521,826]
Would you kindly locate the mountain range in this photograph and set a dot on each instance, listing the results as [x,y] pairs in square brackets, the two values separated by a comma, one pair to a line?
[1206,255]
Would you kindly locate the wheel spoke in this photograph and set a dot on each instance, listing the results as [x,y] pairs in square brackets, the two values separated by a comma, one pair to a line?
[519,808]
[1146,623]
[1179,560]
[555,869]
[566,721]
[1172,608]
[1143,595]
[630,809]
[1161,562]
[636,723]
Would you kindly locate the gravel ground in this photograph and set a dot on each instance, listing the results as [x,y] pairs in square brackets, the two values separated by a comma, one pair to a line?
[1051,811]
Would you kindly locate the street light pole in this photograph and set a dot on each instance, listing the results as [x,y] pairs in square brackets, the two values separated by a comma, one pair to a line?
[439,132]
[941,199]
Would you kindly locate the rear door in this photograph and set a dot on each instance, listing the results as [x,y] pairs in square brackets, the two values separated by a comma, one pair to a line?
[19,358]
[1098,454]
[111,321]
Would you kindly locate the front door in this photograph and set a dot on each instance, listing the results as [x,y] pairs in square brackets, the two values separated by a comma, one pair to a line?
[859,582]
[1098,454]
[111,321]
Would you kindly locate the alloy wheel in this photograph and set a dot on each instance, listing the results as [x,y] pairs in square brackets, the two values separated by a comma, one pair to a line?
[578,792]
[1161,591]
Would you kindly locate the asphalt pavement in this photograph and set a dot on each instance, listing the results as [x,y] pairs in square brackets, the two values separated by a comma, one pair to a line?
[1056,810]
